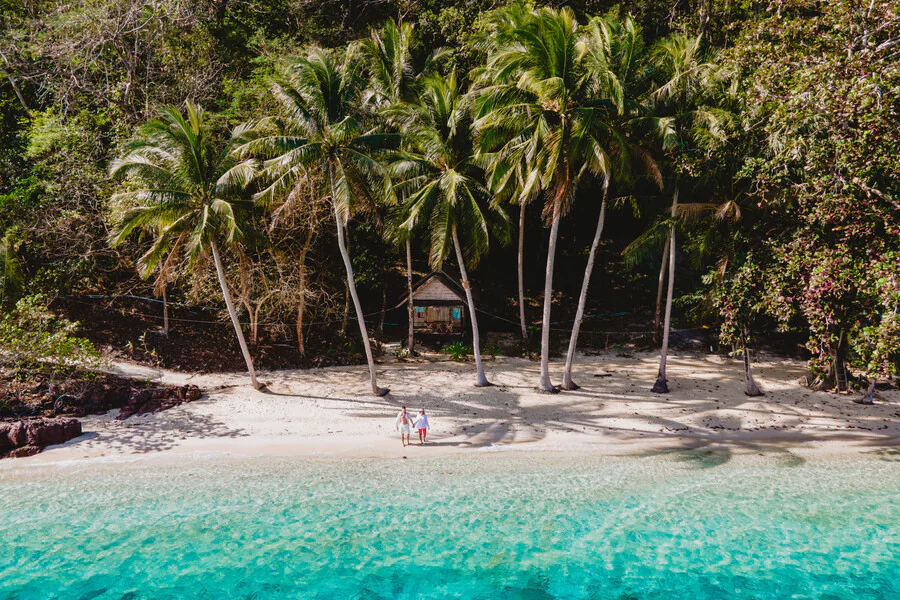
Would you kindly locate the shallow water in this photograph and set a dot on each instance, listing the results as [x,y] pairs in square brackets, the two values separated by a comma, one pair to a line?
[697,525]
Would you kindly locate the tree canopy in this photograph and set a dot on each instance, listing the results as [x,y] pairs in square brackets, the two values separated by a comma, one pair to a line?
[776,120]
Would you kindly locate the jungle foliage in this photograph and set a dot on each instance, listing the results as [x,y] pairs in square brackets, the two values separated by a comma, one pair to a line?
[777,122]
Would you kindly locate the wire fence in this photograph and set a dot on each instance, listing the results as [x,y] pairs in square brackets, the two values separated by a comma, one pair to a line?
[587,337]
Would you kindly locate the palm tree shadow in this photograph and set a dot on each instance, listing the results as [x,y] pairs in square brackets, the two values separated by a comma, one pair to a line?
[153,435]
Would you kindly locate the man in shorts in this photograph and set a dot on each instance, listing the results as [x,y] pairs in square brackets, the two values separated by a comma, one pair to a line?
[402,425]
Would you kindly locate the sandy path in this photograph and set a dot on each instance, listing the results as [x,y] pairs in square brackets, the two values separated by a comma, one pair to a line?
[328,411]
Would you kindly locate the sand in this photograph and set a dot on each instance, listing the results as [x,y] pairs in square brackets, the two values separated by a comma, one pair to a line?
[329,412]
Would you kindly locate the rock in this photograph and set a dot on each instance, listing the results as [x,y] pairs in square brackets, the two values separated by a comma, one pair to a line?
[16,434]
[141,397]
[47,432]
[137,400]
[24,451]
[72,429]
[144,402]
[30,436]
[67,404]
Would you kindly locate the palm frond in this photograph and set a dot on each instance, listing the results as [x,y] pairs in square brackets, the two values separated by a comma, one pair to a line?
[649,242]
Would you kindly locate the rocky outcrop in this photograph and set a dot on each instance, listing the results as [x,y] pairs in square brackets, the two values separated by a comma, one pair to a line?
[150,401]
[29,436]
[25,436]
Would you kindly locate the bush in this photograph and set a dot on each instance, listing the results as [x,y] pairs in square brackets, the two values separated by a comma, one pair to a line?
[458,351]
[33,338]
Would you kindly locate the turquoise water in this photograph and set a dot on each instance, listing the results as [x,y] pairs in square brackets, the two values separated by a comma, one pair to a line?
[687,525]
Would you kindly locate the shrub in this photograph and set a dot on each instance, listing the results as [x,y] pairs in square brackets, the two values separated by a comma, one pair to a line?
[32,337]
[458,351]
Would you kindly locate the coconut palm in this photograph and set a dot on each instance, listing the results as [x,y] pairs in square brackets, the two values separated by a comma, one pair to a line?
[536,108]
[683,117]
[188,193]
[614,55]
[508,182]
[393,60]
[437,174]
[320,126]
[510,176]
[394,64]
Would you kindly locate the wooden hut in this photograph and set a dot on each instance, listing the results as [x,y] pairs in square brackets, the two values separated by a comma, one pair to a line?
[439,304]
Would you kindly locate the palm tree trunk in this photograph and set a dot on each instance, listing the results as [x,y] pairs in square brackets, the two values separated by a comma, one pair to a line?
[545,384]
[226,293]
[476,340]
[346,316]
[840,370]
[869,396]
[661,387]
[567,383]
[254,325]
[752,389]
[522,274]
[411,341]
[659,291]
[301,304]
[351,286]
[165,313]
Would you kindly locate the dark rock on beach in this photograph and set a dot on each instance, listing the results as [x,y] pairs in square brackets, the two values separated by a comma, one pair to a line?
[147,401]
[30,436]
[36,411]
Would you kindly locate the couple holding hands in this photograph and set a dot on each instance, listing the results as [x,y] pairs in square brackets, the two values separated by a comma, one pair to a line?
[405,422]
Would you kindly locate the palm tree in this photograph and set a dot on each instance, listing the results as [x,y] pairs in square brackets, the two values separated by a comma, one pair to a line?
[660,386]
[394,65]
[536,108]
[683,118]
[678,219]
[437,174]
[188,194]
[321,126]
[510,176]
[614,55]
[507,180]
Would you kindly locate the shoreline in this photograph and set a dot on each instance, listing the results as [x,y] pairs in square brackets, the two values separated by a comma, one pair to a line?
[326,412]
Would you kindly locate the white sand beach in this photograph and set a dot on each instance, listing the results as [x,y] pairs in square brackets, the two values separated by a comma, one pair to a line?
[328,411]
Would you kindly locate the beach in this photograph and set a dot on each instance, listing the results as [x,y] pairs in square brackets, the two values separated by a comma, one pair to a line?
[330,412]
[610,491]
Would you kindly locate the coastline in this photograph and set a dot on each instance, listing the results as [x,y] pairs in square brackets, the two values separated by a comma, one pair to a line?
[326,412]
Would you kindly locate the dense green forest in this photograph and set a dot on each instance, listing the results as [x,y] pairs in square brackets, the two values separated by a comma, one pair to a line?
[730,164]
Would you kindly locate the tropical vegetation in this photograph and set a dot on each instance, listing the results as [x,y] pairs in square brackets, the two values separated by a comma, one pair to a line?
[343,150]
